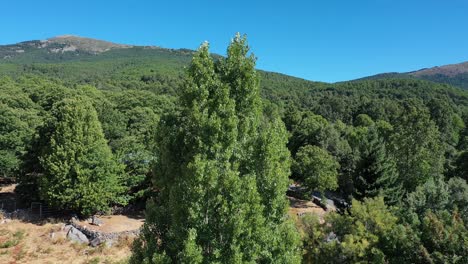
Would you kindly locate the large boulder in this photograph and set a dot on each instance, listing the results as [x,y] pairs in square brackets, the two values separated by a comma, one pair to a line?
[77,236]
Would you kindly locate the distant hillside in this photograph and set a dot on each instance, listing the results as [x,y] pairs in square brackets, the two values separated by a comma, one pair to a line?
[54,49]
[69,48]
[112,66]
[453,74]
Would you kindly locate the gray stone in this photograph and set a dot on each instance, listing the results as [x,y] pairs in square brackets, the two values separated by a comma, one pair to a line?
[109,243]
[66,228]
[331,237]
[74,218]
[77,236]
[97,241]
[96,221]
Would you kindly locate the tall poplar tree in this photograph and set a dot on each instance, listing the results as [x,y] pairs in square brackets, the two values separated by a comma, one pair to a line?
[79,171]
[222,172]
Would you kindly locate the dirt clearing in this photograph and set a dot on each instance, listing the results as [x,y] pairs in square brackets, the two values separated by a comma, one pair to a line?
[299,207]
[115,223]
[22,242]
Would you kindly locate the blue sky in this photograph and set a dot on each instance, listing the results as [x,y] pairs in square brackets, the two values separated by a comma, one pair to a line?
[322,40]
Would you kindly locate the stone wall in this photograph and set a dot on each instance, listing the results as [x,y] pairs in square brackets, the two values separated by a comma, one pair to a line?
[113,236]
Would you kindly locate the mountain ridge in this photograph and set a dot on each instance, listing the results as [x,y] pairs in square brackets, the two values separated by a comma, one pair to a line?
[455,74]
[66,48]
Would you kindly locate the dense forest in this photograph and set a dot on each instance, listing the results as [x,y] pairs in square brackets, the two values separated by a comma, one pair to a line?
[210,145]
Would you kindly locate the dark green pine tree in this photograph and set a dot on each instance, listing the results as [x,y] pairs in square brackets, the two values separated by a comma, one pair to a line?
[376,172]
[79,171]
[221,179]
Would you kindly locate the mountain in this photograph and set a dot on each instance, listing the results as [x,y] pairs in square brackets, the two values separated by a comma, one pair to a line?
[64,48]
[111,66]
[55,47]
[86,59]
[453,74]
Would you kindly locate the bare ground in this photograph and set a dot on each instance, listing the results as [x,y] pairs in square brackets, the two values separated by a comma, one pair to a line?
[22,242]
[299,207]
[115,223]
[30,242]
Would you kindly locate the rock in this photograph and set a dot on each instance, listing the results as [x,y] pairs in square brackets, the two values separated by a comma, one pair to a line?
[76,236]
[331,237]
[5,221]
[109,243]
[96,221]
[97,241]
[74,218]
[66,228]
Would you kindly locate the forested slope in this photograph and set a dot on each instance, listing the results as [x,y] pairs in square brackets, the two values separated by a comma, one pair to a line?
[396,149]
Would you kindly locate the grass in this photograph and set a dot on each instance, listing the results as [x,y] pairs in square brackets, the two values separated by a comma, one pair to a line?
[11,240]
[124,242]
[95,260]
[32,243]
[98,250]
[19,234]
[19,252]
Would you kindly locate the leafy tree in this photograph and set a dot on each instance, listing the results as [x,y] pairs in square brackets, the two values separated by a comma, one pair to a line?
[19,116]
[417,147]
[137,158]
[309,129]
[221,181]
[317,168]
[14,133]
[437,212]
[432,195]
[445,237]
[458,190]
[462,165]
[364,121]
[450,125]
[368,233]
[136,150]
[80,172]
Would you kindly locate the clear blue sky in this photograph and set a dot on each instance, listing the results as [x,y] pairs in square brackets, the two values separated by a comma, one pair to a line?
[322,40]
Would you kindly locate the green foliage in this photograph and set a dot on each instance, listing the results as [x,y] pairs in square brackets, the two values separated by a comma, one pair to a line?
[221,182]
[376,173]
[462,165]
[307,129]
[317,168]
[80,172]
[364,120]
[458,190]
[437,212]
[19,117]
[445,237]
[417,146]
[219,159]
[368,233]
